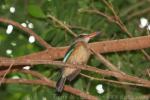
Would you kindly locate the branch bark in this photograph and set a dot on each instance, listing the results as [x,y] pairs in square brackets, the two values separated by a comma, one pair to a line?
[128,44]
[43,81]
[51,84]
[59,64]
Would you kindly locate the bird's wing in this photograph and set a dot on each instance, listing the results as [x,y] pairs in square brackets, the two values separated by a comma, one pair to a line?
[69,52]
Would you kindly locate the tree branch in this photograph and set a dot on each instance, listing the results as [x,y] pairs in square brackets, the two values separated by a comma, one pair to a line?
[59,64]
[51,84]
[127,44]
[44,81]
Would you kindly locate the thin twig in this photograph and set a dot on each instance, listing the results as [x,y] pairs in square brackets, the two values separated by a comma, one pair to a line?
[139,13]
[123,27]
[132,7]
[62,25]
[106,62]
[116,20]
[96,11]
[7,71]
[111,81]
[119,22]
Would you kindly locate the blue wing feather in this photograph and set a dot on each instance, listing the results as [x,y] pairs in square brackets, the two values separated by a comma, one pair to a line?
[69,52]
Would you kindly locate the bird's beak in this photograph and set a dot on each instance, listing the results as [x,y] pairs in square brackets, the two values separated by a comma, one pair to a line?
[93,34]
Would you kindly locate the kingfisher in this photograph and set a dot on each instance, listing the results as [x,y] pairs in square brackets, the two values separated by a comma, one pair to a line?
[78,53]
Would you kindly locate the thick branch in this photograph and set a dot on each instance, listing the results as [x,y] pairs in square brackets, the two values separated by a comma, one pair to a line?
[51,84]
[43,81]
[100,47]
[127,44]
[116,74]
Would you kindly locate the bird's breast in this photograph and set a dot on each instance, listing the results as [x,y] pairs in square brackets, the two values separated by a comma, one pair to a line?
[80,55]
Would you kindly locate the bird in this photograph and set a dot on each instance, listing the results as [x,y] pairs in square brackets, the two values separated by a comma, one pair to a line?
[78,53]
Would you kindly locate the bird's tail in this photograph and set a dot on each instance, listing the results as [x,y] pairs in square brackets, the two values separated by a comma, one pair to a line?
[60,84]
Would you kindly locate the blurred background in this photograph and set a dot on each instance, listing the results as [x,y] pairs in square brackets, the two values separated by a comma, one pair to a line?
[81,16]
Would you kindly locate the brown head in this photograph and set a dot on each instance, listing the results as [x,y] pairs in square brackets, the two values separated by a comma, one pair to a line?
[87,37]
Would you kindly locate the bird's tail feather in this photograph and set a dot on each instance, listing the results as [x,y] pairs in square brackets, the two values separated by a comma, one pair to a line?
[60,84]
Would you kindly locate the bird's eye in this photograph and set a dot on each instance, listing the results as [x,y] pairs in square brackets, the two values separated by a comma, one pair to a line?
[81,36]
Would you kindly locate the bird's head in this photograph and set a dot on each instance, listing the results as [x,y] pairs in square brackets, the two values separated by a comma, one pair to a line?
[87,37]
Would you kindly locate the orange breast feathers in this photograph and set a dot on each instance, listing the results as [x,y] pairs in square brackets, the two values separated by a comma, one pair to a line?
[80,55]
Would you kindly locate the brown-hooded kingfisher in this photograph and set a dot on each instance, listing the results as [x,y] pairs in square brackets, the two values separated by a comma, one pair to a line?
[78,53]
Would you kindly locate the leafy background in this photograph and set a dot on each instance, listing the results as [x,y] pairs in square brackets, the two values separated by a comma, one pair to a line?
[69,12]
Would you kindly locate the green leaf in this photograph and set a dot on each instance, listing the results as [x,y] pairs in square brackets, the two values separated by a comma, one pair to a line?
[36,11]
